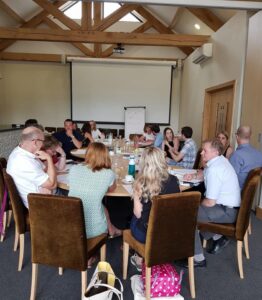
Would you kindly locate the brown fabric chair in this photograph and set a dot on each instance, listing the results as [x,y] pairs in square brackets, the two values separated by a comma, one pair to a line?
[170,234]
[198,162]
[58,236]
[21,217]
[58,129]
[238,230]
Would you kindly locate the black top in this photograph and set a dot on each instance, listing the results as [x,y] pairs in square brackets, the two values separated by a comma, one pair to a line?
[67,143]
[171,143]
[225,152]
[169,187]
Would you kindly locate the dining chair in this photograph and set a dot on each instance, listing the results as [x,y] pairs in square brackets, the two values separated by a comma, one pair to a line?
[239,229]
[198,163]
[58,236]
[170,235]
[21,217]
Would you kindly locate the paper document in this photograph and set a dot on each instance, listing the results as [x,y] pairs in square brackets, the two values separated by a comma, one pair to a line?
[78,151]
[128,188]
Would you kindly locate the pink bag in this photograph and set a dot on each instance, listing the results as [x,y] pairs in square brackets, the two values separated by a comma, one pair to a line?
[165,281]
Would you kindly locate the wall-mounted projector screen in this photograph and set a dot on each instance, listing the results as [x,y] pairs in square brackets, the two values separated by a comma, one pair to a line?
[101,90]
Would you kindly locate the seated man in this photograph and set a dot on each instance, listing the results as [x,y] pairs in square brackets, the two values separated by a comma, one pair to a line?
[158,136]
[186,157]
[70,139]
[246,157]
[222,197]
[25,166]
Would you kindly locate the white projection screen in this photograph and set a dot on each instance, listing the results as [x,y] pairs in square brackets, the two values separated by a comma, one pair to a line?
[101,90]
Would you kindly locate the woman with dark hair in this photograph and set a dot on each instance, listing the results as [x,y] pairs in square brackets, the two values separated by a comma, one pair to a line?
[90,182]
[170,142]
[87,132]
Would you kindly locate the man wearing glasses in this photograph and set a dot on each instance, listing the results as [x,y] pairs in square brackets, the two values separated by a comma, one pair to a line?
[26,167]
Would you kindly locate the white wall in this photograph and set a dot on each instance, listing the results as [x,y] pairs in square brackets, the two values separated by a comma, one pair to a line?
[34,90]
[227,63]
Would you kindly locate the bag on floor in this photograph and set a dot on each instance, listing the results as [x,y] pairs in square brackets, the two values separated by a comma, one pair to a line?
[165,281]
[104,284]
[138,290]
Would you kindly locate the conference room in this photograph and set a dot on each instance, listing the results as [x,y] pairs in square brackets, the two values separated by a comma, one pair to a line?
[169,73]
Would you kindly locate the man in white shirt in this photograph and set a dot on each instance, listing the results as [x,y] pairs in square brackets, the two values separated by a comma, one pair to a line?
[25,166]
[222,197]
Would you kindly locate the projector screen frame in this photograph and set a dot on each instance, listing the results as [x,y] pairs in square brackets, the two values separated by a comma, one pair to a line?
[172,67]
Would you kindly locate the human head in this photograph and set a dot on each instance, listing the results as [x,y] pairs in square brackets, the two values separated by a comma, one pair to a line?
[97,157]
[93,124]
[147,128]
[86,128]
[155,128]
[30,122]
[168,134]
[211,149]
[68,124]
[32,139]
[223,137]
[153,171]
[187,132]
[50,144]
[243,134]
[74,125]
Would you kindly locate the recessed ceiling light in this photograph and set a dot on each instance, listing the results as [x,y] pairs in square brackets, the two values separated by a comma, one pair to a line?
[197,26]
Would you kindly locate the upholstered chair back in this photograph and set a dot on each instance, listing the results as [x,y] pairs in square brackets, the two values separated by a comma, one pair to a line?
[58,236]
[247,197]
[198,163]
[171,227]
[19,210]
[3,163]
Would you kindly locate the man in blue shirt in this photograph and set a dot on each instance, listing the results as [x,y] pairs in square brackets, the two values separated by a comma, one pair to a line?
[246,157]
[70,139]
[158,136]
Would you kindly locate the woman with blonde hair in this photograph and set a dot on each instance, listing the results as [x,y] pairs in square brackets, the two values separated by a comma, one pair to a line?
[224,139]
[90,182]
[152,180]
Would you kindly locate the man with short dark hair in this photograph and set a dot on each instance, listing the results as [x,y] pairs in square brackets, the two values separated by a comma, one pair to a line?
[26,167]
[222,196]
[158,136]
[70,139]
[186,157]
[246,157]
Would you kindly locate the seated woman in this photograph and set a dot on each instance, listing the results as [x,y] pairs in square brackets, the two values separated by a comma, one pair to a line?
[152,180]
[87,132]
[96,133]
[148,135]
[224,139]
[170,142]
[90,182]
[53,147]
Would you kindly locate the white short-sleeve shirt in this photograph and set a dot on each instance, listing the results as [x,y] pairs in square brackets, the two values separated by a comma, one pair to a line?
[27,172]
[221,182]
[96,134]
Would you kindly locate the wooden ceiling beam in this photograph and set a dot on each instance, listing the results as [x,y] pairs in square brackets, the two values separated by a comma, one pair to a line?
[86,21]
[142,28]
[207,17]
[173,40]
[31,57]
[159,26]
[79,46]
[11,12]
[114,17]
[97,20]
[33,22]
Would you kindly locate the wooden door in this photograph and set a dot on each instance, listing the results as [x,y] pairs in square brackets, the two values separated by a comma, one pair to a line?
[218,110]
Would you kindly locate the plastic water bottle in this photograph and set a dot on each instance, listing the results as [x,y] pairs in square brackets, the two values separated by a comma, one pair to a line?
[132,166]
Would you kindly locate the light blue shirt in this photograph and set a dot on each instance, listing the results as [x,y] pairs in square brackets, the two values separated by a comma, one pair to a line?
[221,182]
[159,140]
[243,160]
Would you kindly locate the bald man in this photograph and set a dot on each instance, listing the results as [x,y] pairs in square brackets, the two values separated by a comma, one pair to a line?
[26,168]
[246,157]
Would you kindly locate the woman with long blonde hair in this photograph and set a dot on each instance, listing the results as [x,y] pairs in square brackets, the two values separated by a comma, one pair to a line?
[152,180]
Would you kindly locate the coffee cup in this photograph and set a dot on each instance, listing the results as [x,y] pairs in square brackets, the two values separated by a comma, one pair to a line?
[129,178]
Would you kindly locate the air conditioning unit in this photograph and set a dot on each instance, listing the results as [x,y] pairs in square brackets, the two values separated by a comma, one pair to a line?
[202,53]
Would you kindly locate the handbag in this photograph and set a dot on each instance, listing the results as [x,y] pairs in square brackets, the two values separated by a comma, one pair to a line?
[165,281]
[104,284]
